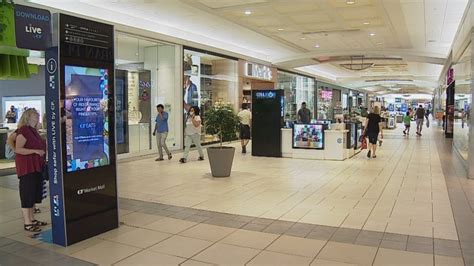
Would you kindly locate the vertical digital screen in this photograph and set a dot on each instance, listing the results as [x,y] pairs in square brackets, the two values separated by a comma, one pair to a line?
[308,136]
[119,109]
[86,111]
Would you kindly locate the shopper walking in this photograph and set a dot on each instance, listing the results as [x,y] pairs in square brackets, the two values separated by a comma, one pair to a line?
[245,117]
[420,115]
[192,133]
[304,114]
[372,130]
[161,132]
[407,122]
[30,151]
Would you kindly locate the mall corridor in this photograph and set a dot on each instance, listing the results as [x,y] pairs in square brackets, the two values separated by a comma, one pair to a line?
[124,125]
[410,206]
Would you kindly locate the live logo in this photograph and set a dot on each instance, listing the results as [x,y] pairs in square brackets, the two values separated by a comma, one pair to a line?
[32,28]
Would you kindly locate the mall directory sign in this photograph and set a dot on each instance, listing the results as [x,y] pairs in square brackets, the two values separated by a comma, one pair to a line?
[81,154]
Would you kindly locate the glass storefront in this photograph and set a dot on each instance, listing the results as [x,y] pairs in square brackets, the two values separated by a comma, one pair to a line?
[462,102]
[297,89]
[329,101]
[147,74]
[209,80]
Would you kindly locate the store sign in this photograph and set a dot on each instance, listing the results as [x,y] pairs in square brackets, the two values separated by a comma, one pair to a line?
[32,28]
[326,95]
[450,76]
[258,71]
[265,95]
[404,108]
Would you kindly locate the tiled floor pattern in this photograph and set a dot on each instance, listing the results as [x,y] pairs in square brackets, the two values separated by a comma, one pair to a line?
[162,234]
[149,239]
[403,191]
[461,193]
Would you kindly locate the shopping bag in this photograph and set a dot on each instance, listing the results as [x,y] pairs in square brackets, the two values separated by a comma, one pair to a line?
[363,143]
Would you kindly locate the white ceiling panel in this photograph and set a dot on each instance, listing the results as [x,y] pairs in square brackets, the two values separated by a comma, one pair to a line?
[286,32]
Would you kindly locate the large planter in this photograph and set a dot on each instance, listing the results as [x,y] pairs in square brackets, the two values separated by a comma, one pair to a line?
[221,159]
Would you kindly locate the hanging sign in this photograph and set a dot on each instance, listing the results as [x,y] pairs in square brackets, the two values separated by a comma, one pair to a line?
[32,28]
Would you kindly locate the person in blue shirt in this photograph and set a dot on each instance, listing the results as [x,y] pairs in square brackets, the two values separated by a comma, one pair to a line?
[161,131]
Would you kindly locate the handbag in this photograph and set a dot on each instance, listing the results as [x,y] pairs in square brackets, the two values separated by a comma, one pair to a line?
[45,173]
[363,143]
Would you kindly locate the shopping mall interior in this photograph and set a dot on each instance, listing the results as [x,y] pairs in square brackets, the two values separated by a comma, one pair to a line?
[305,81]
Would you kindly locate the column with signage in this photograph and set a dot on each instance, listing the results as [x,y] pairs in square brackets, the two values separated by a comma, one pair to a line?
[81,150]
[449,128]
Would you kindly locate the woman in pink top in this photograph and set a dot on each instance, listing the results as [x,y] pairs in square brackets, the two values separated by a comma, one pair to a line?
[30,151]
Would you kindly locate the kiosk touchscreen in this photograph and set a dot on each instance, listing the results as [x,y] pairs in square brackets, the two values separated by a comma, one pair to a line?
[87,125]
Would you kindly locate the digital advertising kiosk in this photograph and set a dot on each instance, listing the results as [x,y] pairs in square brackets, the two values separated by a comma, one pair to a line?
[81,135]
[267,121]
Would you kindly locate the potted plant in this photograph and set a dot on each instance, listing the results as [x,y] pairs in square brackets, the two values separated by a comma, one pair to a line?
[221,120]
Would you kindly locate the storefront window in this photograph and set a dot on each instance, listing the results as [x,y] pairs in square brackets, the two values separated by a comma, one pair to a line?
[462,103]
[297,89]
[146,75]
[209,80]
[329,101]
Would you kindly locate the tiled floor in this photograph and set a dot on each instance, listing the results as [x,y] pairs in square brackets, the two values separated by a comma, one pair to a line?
[395,210]
[403,191]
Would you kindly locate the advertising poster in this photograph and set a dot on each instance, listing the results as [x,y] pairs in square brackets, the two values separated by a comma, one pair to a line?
[450,110]
[86,107]
[144,97]
[191,81]
[308,136]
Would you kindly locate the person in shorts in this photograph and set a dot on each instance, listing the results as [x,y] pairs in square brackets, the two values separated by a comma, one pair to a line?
[407,121]
[30,151]
[372,130]
[245,117]
[420,116]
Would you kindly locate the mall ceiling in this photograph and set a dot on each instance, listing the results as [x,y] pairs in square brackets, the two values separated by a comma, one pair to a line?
[382,46]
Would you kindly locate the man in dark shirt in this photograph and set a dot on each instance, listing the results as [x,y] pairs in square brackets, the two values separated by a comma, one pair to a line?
[304,115]
[420,116]
[11,115]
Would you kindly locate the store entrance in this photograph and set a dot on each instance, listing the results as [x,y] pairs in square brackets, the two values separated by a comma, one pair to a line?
[252,84]
[18,95]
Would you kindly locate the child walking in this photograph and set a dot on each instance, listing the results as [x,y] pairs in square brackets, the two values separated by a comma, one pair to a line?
[407,121]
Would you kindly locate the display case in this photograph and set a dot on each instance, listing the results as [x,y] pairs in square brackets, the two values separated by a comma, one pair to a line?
[308,136]
[325,122]
[358,134]
[351,135]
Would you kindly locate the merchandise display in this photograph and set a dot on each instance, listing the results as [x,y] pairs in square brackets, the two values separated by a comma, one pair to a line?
[308,136]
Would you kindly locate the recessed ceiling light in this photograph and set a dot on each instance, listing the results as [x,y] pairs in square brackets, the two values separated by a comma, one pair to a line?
[248,12]
[281,29]
[372,34]
[350,2]
[379,43]
[366,23]
[317,46]
[303,38]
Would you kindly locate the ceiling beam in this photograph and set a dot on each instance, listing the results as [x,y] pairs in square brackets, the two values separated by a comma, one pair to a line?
[311,57]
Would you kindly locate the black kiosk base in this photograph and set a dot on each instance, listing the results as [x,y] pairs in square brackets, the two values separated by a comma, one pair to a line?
[267,119]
